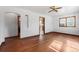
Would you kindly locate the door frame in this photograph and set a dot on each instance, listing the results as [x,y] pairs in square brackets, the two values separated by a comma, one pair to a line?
[18,23]
[43,21]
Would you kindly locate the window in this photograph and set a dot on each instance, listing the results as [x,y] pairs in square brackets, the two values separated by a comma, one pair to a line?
[67,21]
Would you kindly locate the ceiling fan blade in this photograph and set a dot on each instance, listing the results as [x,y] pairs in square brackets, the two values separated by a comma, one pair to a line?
[55,7]
[58,8]
[53,10]
[52,7]
[50,11]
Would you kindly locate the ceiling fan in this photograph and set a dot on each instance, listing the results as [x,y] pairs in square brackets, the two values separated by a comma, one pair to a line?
[54,8]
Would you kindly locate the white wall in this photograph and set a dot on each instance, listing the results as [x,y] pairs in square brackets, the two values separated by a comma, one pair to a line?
[11,25]
[25,32]
[33,28]
[1,28]
[69,30]
[33,19]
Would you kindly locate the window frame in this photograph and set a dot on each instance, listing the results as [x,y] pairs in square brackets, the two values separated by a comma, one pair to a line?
[66,18]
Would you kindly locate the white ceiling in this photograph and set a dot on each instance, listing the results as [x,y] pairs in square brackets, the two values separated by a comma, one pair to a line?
[39,9]
[45,9]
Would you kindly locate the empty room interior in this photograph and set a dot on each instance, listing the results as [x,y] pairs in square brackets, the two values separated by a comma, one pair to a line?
[39,28]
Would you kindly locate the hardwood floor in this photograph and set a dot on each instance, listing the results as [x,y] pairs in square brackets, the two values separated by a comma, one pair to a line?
[52,42]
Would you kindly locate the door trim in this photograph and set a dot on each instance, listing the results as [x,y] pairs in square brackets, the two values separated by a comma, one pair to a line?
[43,21]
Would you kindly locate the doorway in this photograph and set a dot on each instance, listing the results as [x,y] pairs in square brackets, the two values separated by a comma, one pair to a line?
[12,25]
[18,22]
[42,25]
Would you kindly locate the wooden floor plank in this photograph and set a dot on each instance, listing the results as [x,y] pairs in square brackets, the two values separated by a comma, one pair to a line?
[52,42]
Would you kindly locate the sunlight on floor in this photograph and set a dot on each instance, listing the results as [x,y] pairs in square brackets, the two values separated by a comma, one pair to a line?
[67,46]
[56,45]
[71,46]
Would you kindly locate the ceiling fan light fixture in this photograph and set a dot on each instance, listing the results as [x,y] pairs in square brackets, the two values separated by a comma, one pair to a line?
[54,8]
